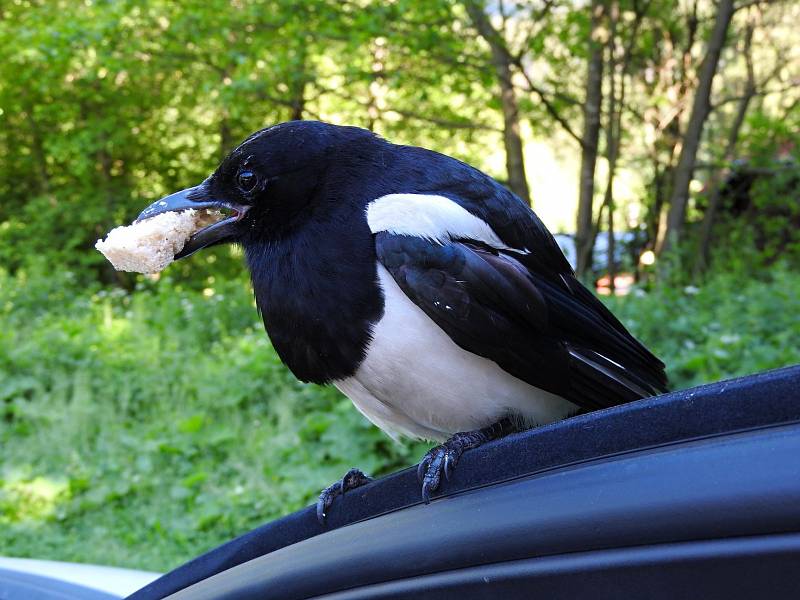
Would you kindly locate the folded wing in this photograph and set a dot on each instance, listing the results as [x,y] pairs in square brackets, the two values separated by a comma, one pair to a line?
[536,322]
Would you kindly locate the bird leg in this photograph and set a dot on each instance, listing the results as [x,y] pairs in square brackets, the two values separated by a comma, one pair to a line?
[443,459]
[352,479]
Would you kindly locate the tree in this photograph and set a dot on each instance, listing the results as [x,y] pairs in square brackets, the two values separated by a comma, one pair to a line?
[140,99]
[729,153]
[584,236]
[694,130]
[620,56]
[502,62]
[668,64]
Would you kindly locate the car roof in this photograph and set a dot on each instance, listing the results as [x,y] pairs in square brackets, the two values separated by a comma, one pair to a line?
[753,402]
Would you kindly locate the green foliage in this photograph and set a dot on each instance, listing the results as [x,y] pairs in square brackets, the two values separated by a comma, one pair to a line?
[160,423]
[759,220]
[105,106]
[157,424]
[730,325]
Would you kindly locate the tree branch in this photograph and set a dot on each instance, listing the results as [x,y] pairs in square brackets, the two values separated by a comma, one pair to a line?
[728,100]
[551,110]
[450,124]
[748,4]
[498,45]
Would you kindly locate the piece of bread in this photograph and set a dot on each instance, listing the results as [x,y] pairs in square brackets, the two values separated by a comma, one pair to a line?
[148,246]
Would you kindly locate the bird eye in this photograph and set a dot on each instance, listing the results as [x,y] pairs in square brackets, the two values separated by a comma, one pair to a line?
[247,181]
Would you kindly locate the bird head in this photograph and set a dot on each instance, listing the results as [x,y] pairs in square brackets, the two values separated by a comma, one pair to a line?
[265,185]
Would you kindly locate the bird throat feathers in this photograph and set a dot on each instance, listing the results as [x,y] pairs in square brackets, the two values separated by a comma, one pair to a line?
[318,295]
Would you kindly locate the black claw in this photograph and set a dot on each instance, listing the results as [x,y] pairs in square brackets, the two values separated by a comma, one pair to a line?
[448,466]
[429,472]
[426,493]
[325,500]
[442,460]
[352,479]
[422,468]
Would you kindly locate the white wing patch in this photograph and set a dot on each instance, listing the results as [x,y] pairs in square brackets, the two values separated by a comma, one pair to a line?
[432,217]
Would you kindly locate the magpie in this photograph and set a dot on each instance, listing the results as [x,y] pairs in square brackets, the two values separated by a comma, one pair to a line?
[424,290]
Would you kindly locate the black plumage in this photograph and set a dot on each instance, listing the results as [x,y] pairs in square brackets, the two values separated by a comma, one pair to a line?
[300,194]
[545,330]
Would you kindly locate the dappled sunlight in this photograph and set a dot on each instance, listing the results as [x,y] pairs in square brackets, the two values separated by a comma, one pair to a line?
[114,327]
[30,499]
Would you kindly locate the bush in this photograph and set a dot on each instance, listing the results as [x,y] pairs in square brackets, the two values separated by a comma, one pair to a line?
[140,429]
[730,325]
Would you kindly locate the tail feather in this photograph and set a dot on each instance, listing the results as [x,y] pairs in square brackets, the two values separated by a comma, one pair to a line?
[607,382]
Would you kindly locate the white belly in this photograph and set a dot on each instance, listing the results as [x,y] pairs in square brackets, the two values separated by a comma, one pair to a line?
[416,381]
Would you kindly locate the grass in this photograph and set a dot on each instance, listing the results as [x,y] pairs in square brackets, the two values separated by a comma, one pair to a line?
[142,429]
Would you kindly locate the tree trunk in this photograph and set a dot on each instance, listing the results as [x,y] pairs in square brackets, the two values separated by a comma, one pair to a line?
[298,82]
[613,133]
[298,99]
[225,136]
[298,103]
[512,139]
[584,237]
[502,63]
[730,154]
[691,140]
[668,144]
[37,146]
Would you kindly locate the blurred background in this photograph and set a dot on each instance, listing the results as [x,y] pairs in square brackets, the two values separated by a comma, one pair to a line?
[145,420]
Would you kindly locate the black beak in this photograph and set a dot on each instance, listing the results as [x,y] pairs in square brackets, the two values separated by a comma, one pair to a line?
[198,197]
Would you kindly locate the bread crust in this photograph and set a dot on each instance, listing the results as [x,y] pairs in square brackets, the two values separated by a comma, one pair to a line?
[150,245]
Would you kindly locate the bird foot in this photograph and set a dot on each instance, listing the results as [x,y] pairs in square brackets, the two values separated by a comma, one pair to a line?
[442,459]
[352,479]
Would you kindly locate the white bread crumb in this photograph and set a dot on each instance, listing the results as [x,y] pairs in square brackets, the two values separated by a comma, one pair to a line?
[148,246]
